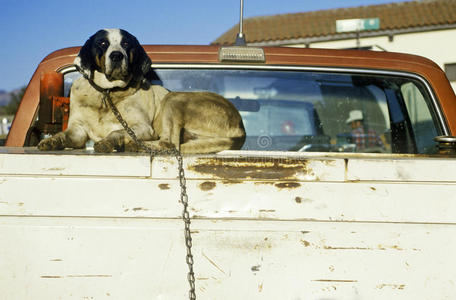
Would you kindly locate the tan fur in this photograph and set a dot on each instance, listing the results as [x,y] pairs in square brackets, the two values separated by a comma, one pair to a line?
[163,118]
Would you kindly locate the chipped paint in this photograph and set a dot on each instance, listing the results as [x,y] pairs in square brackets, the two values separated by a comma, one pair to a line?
[305,243]
[251,168]
[392,286]
[139,208]
[255,268]
[163,186]
[265,182]
[287,185]
[207,185]
[229,182]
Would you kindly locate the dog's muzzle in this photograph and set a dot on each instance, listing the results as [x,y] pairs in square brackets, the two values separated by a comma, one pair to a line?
[116,66]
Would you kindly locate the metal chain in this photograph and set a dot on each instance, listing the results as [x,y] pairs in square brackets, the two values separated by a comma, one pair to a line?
[182,182]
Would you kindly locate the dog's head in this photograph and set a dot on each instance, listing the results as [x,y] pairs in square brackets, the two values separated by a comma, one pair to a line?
[114,58]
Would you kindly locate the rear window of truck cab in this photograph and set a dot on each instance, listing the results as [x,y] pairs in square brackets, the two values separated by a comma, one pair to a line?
[317,110]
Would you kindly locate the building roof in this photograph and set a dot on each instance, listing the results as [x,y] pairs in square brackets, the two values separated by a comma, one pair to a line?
[320,25]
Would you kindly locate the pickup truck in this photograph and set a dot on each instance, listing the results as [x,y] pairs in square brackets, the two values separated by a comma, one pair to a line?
[305,210]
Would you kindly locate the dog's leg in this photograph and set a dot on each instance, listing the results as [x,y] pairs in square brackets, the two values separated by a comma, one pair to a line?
[74,137]
[171,125]
[120,140]
[114,140]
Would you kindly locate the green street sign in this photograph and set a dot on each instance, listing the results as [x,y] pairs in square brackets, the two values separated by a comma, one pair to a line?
[357,24]
[370,24]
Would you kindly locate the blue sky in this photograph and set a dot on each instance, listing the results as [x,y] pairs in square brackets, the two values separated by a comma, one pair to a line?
[32,29]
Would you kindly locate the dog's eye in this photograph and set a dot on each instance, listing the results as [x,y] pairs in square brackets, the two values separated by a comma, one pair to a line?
[125,44]
[103,44]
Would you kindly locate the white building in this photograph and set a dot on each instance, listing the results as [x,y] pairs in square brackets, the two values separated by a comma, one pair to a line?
[426,28]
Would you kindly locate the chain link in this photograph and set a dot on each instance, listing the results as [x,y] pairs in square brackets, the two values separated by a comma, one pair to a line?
[183,185]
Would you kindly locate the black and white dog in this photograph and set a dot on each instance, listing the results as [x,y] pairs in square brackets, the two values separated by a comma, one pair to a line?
[113,59]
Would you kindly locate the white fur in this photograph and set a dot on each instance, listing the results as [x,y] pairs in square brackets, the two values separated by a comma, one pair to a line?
[115,38]
[101,80]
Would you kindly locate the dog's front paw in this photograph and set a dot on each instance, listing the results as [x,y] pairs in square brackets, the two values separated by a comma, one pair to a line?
[103,146]
[132,146]
[51,143]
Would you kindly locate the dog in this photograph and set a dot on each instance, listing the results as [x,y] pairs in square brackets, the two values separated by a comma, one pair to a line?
[113,60]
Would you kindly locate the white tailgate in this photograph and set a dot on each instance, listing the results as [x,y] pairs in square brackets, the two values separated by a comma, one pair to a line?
[265,226]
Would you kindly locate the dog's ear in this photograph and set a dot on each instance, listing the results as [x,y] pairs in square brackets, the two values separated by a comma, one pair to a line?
[146,68]
[141,65]
[85,61]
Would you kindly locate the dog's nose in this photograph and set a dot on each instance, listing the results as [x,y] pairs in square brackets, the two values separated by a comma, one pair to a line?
[116,56]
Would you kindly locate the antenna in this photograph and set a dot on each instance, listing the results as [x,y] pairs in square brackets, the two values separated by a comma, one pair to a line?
[240,38]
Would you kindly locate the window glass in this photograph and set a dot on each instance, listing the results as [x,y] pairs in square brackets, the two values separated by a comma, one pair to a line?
[420,117]
[318,111]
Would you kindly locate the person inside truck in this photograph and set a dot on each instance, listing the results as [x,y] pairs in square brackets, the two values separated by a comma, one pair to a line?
[361,136]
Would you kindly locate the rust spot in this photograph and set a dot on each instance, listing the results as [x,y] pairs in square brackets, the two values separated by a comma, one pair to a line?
[51,276]
[56,259]
[305,243]
[207,185]
[298,199]
[232,181]
[164,186]
[372,188]
[265,182]
[287,185]
[255,268]
[139,208]
[251,168]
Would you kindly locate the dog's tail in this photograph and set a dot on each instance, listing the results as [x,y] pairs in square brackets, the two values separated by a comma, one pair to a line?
[211,145]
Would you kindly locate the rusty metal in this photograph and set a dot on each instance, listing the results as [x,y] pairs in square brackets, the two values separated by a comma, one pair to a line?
[51,85]
[265,168]
[60,111]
